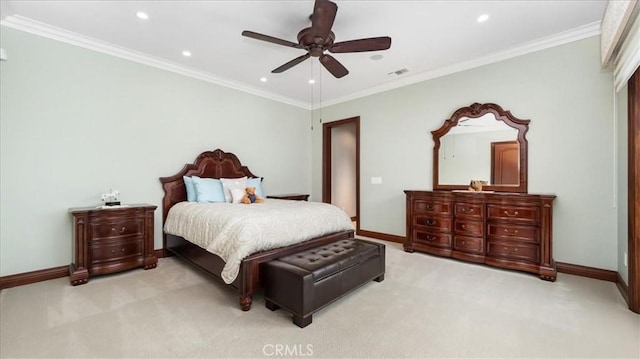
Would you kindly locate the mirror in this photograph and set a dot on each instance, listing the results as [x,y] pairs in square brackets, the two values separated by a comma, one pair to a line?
[481,142]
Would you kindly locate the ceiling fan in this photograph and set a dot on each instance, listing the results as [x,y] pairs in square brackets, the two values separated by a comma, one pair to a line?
[319,38]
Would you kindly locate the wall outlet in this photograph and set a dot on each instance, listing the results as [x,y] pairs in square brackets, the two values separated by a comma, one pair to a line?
[626,263]
[376,180]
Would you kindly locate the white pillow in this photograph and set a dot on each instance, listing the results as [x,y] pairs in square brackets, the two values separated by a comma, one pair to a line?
[236,195]
[230,183]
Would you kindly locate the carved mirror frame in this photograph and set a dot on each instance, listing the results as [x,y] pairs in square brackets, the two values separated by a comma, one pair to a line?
[474,111]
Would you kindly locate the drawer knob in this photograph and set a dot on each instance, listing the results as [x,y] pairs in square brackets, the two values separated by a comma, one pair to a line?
[506,213]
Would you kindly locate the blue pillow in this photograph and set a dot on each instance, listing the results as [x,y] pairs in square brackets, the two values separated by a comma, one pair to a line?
[257,183]
[208,190]
[191,190]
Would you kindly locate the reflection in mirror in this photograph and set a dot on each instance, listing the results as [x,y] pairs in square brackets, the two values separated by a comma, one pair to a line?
[481,142]
[479,148]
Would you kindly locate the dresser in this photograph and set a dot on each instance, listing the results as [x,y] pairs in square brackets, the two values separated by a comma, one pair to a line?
[109,240]
[506,230]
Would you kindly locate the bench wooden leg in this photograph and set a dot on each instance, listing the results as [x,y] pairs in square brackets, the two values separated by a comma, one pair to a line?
[380,278]
[302,322]
[271,305]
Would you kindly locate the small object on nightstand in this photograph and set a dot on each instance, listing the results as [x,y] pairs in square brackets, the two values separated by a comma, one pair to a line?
[111,240]
[111,198]
[290,196]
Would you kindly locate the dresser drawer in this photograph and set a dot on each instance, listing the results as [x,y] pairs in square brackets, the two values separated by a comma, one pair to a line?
[514,213]
[469,210]
[422,206]
[468,228]
[438,223]
[117,228]
[432,239]
[514,251]
[468,244]
[512,232]
[115,250]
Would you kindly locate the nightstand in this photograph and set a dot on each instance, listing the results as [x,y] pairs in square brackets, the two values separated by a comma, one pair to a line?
[290,196]
[109,240]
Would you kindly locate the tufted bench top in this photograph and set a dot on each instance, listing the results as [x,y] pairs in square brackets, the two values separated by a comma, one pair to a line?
[332,258]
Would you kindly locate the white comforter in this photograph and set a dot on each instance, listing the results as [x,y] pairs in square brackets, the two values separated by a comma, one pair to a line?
[235,231]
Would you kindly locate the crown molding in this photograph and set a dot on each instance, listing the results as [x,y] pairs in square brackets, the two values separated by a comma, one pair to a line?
[579,33]
[41,29]
[38,28]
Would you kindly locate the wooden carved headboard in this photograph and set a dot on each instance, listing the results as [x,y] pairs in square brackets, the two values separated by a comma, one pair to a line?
[209,164]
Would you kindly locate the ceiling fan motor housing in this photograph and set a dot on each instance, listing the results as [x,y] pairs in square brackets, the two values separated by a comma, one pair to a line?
[315,45]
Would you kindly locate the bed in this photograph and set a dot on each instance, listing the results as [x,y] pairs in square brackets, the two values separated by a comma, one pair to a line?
[220,164]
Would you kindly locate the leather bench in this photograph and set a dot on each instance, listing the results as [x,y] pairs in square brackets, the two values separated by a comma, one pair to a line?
[305,282]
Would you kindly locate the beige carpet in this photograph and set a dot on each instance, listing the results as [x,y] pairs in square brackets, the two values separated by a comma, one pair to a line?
[426,307]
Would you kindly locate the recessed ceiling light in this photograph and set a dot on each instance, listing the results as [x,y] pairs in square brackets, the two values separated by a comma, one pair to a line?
[483,17]
[186,53]
[142,15]
[263,79]
[312,81]
[376,57]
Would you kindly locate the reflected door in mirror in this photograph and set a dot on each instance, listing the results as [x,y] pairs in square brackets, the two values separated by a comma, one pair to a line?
[504,163]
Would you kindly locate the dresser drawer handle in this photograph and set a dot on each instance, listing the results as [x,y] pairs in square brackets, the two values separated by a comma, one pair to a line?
[429,207]
[465,210]
[506,249]
[121,229]
[464,226]
[113,251]
[506,213]
[430,222]
[514,232]
[464,243]
[430,238]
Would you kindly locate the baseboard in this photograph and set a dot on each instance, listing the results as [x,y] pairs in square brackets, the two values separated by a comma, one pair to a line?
[381,236]
[33,277]
[589,272]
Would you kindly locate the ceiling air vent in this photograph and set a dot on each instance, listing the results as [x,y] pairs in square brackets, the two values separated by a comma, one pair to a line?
[398,72]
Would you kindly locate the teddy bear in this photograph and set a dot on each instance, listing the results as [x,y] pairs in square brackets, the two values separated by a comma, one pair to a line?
[476,185]
[250,196]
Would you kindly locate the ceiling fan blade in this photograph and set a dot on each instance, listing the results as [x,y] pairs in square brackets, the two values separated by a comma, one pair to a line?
[291,64]
[324,13]
[332,65]
[271,39]
[361,45]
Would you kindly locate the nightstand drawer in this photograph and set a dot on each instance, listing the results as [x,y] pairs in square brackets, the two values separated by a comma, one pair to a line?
[115,250]
[121,228]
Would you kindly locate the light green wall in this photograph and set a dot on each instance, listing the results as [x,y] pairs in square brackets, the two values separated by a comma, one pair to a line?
[568,98]
[622,181]
[75,123]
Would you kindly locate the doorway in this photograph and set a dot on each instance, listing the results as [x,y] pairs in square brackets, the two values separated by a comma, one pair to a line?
[341,166]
